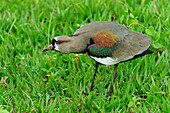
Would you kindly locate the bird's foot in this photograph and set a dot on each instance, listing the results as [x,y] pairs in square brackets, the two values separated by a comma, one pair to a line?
[85,93]
[109,93]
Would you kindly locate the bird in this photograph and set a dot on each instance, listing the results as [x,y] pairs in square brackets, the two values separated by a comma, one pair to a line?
[106,42]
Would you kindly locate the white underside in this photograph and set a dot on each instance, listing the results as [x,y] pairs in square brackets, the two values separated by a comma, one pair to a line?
[110,61]
[106,60]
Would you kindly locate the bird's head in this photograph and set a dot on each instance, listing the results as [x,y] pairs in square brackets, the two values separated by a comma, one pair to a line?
[60,43]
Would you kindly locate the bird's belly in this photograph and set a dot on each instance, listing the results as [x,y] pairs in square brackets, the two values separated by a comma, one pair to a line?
[106,60]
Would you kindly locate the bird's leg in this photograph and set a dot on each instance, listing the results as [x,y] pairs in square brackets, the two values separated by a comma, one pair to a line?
[111,88]
[97,64]
[91,88]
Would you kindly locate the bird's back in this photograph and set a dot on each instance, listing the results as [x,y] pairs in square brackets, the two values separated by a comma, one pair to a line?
[128,43]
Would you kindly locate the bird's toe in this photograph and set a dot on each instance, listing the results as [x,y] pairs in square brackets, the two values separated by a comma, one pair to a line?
[109,93]
[85,93]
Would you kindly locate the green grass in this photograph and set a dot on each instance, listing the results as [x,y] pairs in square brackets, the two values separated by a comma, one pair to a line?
[49,82]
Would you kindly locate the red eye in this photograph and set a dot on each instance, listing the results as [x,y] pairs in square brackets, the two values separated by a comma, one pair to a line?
[59,42]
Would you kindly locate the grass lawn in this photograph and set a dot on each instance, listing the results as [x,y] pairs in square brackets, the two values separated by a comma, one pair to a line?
[32,81]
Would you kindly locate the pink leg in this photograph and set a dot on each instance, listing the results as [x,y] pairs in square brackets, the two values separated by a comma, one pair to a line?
[91,88]
[111,88]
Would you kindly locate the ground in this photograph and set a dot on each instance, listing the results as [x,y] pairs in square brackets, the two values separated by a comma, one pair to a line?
[32,81]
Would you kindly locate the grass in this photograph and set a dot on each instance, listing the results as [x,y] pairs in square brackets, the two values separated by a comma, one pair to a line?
[50,82]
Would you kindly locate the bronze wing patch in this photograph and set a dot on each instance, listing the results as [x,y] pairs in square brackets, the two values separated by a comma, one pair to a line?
[105,39]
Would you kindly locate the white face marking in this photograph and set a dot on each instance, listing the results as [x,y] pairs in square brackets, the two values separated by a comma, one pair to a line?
[56,38]
[106,61]
[56,46]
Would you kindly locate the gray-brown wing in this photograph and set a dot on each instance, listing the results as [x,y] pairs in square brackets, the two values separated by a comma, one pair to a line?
[132,44]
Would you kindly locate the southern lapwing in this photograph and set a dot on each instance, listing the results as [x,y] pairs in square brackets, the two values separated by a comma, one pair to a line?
[106,42]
